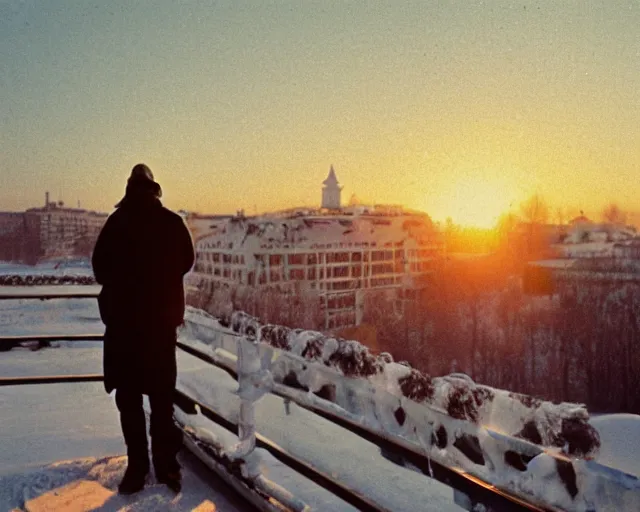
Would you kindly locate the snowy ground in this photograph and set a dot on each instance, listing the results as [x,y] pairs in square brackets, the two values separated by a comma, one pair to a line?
[620,438]
[45,488]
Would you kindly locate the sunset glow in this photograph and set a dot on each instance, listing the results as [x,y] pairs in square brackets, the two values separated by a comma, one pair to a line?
[247,107]
[478,204]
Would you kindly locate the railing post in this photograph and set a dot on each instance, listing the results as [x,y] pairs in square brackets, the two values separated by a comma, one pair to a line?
[254,381]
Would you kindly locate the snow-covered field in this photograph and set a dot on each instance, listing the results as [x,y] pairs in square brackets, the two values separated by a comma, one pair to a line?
[53,423]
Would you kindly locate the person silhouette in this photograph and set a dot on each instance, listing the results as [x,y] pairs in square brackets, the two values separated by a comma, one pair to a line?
[140,258]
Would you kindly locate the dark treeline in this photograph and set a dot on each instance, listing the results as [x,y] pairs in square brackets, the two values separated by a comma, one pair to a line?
[298,309]
[580,344]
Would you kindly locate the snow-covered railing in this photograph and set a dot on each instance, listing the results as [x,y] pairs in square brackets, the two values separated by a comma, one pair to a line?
[537,451]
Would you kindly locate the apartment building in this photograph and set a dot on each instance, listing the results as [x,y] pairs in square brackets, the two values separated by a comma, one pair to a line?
[50,231]
[339,257]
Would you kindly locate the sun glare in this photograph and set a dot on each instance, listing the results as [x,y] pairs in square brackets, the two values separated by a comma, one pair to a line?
[476,203]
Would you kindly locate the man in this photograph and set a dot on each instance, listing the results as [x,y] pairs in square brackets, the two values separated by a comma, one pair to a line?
[141,256]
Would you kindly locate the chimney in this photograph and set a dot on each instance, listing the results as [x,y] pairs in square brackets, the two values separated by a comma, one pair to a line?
[46,199]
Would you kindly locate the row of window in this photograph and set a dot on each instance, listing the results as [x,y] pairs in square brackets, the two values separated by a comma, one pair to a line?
[216,257]
[310,274]
[313,259]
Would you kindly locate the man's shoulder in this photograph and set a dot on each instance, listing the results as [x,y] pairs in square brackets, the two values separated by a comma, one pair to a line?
[170,215]
[115,217]
[172,219]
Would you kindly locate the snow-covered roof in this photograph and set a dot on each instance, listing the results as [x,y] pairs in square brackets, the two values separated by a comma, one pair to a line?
[317,232]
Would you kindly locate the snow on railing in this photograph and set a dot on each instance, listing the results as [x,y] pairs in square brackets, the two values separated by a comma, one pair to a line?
[536,450]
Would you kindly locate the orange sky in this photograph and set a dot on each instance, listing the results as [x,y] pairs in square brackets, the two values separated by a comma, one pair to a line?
[459,109]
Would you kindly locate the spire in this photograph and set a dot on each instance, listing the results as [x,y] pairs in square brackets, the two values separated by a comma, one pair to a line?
[331,180]
[331,191]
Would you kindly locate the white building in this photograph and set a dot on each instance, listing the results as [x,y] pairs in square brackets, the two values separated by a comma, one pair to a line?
[338,255]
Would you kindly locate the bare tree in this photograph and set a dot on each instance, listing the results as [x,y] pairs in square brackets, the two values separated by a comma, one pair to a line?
[535,210]
[612,214]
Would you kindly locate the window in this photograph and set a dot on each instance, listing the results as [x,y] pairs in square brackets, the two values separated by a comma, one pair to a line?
[297,274]
[311,274]
[356,256]
[382,268]
[296,259]
[275,259]
[337,257]
[341,285]
[341,271]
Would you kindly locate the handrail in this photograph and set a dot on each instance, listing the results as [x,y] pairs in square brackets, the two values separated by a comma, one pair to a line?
[50,379]
[46,295]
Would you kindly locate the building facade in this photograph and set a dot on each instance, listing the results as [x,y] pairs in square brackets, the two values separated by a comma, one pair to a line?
[338,256]
[49,232]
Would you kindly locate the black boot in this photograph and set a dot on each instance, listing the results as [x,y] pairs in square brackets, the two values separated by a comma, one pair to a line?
[134,479]
[172,479]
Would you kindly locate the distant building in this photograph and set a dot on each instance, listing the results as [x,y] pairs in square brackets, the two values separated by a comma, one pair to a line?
[49,232]
[604,253]
[11,236]
[337,256]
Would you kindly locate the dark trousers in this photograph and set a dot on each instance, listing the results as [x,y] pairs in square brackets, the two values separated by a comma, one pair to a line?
[166,438]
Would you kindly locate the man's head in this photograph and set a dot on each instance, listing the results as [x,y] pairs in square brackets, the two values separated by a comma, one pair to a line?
[141,186]
[141,172]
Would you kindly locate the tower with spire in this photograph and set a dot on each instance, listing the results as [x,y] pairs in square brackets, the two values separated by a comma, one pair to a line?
[331,191]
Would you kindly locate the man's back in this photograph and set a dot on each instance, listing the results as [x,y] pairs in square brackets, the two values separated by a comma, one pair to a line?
[140,258]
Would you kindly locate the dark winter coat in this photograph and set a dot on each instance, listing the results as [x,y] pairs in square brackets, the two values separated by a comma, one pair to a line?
[141,256]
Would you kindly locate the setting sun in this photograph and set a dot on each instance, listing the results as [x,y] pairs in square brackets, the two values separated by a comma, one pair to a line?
[478,203]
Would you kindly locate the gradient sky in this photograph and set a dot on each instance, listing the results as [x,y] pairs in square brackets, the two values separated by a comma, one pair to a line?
[457,108]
